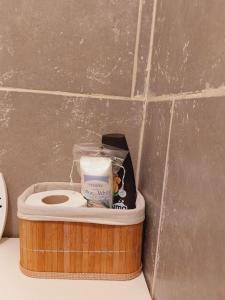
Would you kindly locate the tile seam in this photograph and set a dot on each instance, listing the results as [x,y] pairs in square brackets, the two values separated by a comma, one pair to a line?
[165,176]
[141,140]
[69,94]
[140,144]
[135,63]
[218,92]
[148,69]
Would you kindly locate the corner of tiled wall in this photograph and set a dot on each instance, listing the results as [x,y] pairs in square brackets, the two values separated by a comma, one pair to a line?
[60,70]
[182,166]
[69,72]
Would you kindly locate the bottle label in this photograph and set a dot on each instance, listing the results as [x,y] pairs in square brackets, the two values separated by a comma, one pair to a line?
[119,193]
[97,190]
[122,193]
[120,205]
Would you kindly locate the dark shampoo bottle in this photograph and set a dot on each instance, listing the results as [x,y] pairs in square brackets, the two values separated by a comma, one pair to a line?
[124,187]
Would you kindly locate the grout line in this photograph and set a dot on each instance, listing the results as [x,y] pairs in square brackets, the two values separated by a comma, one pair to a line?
[217,92]
[162,201]
[141,141]
[68,94]
[147,83]
[135,64]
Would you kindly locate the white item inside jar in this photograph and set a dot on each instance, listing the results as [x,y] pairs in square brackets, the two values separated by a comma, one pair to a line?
[96,181]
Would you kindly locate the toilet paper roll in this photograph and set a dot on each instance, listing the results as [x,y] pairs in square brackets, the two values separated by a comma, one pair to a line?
[59,198]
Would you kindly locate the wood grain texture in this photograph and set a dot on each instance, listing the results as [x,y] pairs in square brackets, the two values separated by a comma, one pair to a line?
[69,247]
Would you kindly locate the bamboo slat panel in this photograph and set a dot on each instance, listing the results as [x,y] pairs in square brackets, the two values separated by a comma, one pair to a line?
[80,248]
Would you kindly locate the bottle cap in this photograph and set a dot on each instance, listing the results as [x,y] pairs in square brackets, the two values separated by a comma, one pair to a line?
[116,140]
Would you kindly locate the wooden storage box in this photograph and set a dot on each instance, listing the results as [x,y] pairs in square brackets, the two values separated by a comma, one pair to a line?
[81,243]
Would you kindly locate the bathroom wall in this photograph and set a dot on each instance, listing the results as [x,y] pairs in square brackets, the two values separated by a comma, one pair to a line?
[183,158]
[73,70]
[69,72]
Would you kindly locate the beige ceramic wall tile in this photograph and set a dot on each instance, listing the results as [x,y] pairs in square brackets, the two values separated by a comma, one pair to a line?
[189,45]
[37,133]
[191,254]
[151,177]
[76,46]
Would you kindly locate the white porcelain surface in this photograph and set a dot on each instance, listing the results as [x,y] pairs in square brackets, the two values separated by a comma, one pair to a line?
[17,286]
[3,204]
